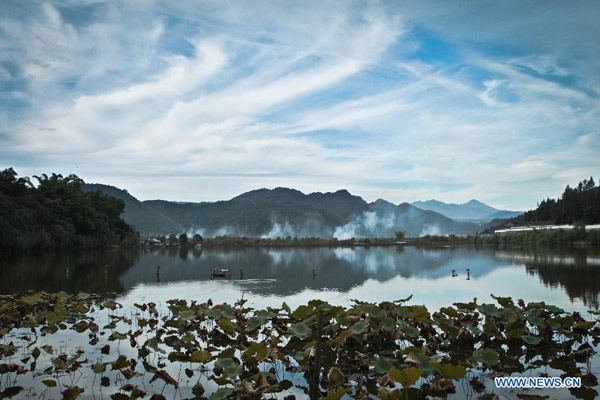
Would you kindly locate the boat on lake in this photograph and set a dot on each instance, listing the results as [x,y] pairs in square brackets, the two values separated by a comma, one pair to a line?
[220,272]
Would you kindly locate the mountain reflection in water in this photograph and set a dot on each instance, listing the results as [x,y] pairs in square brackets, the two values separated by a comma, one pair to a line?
[373,274]
[576,271]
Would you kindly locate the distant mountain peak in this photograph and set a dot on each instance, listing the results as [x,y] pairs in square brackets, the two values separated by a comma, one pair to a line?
[285,189]
[343,192]
[383,202]
[475,201]
[430,201]
[471,210]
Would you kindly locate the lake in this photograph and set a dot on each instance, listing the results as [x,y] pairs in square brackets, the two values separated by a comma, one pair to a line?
[568,277]
[434,276]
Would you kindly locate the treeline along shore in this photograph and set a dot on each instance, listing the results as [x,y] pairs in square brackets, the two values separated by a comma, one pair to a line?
[561,236]
[244,241]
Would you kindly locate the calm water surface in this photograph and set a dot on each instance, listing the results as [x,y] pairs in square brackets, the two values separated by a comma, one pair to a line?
[567,277]
[435,276]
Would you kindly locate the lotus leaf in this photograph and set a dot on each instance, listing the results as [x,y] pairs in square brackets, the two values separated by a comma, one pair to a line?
[407,376]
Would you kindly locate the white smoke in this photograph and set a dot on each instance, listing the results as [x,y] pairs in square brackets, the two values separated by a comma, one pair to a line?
[347,231]
[281,231]
[224,231]
[196,231]
[432,230]
[369,224]
[221,231]
[377,223]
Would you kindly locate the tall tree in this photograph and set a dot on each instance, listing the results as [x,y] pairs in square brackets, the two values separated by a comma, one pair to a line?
[576,205]
[57,213]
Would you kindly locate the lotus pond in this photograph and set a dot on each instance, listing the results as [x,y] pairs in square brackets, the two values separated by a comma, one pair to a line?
[86,346]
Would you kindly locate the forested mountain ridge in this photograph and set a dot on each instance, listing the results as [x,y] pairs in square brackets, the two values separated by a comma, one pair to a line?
[57,213]
[255,213]
[136,212]
[286,212]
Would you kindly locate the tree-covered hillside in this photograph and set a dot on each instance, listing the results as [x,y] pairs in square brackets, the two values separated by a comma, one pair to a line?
[283,212]
[57,213]
[255,213]
[137,213]
[578,205]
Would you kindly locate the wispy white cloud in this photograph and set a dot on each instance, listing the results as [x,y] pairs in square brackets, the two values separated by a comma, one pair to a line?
[193,101]
[487,96]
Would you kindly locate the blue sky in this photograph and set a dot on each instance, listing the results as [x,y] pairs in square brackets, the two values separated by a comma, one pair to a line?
[203,100]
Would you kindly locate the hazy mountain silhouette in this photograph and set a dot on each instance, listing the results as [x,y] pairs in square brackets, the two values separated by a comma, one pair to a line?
[471,210]
[285,212]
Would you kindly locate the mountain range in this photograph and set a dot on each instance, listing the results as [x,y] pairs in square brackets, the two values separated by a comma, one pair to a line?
[283,212]
[471,210]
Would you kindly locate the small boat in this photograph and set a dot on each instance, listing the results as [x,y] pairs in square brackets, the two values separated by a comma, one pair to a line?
[219,272]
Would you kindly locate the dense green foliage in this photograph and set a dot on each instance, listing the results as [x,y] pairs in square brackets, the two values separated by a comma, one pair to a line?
[578,205]
[57,213]
[146,218]
[390,350]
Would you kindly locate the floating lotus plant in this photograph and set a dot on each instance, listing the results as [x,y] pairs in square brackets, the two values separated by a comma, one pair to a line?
[391,350]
